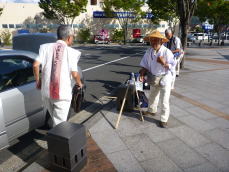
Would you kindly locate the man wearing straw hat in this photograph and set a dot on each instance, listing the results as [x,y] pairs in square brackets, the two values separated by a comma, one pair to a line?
[158,64]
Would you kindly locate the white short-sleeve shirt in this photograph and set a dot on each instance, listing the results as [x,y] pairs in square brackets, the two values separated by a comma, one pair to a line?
[174,43]
[149,61]
[69,64]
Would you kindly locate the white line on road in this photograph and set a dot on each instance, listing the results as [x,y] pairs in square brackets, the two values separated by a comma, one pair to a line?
[106,63]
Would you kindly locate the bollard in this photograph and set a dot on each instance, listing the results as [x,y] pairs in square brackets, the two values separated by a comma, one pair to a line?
[67,147]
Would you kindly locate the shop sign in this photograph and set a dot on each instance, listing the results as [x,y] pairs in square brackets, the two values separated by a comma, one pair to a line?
[101,14]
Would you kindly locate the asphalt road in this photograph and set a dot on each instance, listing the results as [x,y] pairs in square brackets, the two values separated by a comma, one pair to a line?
[106,67]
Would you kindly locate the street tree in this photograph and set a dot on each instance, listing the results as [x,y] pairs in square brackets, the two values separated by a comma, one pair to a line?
[164,10]
[167,9]
[65,11]
[125,11]
[215,12]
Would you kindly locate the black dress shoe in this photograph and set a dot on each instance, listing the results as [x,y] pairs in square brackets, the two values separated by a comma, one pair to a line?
[163,124]
[148,113]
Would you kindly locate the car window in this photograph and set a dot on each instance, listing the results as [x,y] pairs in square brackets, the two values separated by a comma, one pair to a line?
[15,71]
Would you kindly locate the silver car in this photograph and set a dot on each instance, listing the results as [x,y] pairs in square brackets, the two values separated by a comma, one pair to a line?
[21,108]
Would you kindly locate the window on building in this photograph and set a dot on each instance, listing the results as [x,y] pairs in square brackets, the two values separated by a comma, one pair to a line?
[18,26]
[101,4]
[11,26]
[93,2]
[4,25]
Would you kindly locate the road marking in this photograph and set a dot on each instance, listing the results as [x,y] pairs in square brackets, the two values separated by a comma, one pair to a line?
[201,105]
[107,63]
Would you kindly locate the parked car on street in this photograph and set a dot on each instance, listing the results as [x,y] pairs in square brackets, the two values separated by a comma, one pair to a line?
[201,36]
[100,39]
[140,39]
[21,108]
[191,38]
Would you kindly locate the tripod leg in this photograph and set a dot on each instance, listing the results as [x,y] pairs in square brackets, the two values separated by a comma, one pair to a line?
[139,108]
[123,102]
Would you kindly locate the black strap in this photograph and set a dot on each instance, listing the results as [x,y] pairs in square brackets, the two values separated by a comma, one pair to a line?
[170,43]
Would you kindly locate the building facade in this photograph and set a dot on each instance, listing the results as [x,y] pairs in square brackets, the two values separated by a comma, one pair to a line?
[17,16]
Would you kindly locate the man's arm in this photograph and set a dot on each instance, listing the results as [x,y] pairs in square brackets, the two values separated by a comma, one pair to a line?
[177,45]
[36,72]
[77,79]
[176,51]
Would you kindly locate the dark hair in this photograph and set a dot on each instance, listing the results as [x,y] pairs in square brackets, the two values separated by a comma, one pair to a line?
[64,31]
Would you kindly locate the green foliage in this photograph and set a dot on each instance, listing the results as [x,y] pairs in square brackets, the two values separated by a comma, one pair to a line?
[44,30]
[84,35]
[123,5]
[163,10]
[6,37]
[216,12]
[117,35]
[64,11]
[199,29]
[128,6]
[171,9]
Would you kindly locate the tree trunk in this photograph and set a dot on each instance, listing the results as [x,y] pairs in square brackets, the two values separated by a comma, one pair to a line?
[185,9]
[125,33]
[184,31]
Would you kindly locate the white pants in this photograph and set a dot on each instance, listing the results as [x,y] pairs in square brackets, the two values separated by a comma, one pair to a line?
[179,59]
[163,93]
[173,81]
[58,109]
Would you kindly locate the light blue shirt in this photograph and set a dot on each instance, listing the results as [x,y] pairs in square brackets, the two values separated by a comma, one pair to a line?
[149,61]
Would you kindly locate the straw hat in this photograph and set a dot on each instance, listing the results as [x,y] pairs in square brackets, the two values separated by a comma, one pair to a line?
[156,34]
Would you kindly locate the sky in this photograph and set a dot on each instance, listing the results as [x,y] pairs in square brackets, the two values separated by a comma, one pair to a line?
[20,1]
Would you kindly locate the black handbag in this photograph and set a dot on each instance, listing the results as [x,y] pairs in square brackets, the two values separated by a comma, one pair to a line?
[77,98]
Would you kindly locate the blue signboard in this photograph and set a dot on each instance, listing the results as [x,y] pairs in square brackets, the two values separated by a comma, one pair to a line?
[22,31]
[101,14]
[207,27]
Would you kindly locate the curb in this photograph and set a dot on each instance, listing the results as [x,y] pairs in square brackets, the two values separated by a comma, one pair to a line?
[85,116]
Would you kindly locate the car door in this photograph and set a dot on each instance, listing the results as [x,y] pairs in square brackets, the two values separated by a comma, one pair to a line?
[21,101]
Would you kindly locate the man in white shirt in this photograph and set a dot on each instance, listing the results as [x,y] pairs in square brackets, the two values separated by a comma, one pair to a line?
[59,64]
[174,44]
[158,63]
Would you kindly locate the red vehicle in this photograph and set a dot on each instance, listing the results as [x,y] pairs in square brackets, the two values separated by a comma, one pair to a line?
[101,39]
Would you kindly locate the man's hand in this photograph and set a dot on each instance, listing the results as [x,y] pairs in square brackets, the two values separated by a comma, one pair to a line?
[77,79]
[166,66]
[38,84]
[141,78]
[161,60]
[80,84]
[36,72]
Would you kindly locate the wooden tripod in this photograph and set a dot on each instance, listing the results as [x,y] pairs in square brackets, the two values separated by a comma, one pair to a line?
[123,103]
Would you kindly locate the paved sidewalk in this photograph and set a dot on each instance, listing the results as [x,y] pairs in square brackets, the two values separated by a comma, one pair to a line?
[197,139]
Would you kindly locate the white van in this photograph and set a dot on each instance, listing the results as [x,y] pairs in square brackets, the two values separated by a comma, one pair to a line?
[201,36]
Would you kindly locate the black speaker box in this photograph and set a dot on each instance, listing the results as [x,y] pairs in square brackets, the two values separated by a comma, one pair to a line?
[67,147]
